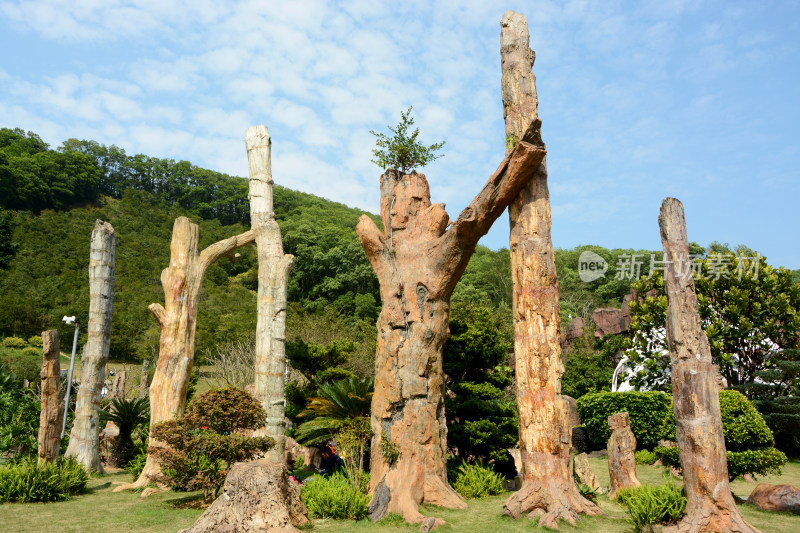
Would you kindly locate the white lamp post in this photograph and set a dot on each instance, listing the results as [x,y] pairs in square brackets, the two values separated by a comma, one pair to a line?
[69,320]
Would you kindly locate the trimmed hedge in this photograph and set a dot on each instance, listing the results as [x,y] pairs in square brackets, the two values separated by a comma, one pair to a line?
[757,462]
[648,413]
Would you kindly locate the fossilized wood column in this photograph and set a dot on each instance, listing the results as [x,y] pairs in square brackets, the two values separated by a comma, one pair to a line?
[273,279]
[84,439]
[52,407]
[418,261]
[178,320]
[695,397]
[621,454]
[119,385]
[544,435]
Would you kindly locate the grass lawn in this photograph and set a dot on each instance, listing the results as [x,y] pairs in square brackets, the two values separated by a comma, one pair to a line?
[103,511]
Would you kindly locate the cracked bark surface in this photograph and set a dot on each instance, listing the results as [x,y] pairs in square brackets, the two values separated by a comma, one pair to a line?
[84,438]
[418,258]
[710,505]
[273,280]
[621,454]
[52,407]
[548,489]
[177,318]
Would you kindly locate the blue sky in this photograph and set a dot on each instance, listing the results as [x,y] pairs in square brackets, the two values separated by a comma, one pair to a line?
[639,100]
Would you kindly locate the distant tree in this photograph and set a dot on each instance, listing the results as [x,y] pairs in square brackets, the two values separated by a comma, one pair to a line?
[8,248]
[402,151]
[749,310]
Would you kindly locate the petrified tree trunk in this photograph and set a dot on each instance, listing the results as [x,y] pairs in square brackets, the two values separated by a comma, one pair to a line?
[144,380]
[544,434]
[178,321]
[52,408]
[621,454]
[118,386]
[257,496]
[695,396]
[84,439]
[418,261]
[273,279]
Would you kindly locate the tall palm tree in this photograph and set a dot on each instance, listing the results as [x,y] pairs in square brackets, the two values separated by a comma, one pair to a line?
[127,415]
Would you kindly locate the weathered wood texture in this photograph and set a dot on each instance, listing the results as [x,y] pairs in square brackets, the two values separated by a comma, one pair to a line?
[710,506]
[273,279]
[544,432]
[418,261]
[52,406]
[257,496]
[181,281]
[118,386]
[621,454]
[84,439]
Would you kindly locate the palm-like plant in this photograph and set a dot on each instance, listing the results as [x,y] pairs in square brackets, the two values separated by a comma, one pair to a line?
[127,415]
[337,405]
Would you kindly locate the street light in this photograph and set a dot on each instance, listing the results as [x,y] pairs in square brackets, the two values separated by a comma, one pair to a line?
[69,320]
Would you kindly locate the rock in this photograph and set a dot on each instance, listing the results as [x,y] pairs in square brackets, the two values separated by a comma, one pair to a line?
[293,451]
[573,331]
[776,498]
[379,505]
[610,321]
[257,496]
[571,411]
[428,524]
[748,478]
[583,472]
[580,440]
[621,454]
[149,491]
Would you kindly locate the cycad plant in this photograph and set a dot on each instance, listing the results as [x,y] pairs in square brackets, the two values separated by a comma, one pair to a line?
[335,406]
[127,415]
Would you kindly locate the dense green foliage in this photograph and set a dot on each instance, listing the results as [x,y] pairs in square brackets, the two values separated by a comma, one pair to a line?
[648,412]
[28,481]
[19,424]
[477,481]
[402,151]
[589,363]
[749,310]
[337,406]
[206,441]
[645,457]
[748,440]
[480,409]
[334,497]
[648,505]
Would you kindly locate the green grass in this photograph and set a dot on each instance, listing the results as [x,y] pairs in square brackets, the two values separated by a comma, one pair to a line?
[103,511]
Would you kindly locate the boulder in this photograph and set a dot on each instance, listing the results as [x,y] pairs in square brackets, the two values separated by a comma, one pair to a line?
[610,321]
[573,331]
[768,497]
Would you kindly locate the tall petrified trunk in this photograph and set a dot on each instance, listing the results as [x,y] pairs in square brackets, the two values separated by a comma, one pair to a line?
[144,380]
[52,408]
[273,279]
[695,395]
[84,439]
[544,432]
[418,261]
[178,321]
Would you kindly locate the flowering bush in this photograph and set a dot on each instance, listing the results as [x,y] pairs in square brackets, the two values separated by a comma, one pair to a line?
[209,439]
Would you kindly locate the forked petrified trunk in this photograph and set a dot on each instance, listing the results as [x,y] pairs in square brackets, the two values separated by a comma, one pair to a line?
[695,395]
[52,407]
[273,280]
[178,321]
[621,454]
[545,435]
[418,261]
[84,439]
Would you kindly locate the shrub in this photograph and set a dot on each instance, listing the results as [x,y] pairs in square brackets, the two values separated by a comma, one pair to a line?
[645,457]
[334,497]
[135,466]
[127,414]
[669,456]
[477,481]
[204,444]
[25,367]
[647,505]
[29,482]
[35,340]
[648,412]
[758,461]
[19,425]
[30,351]
[14,342]
[743,425]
